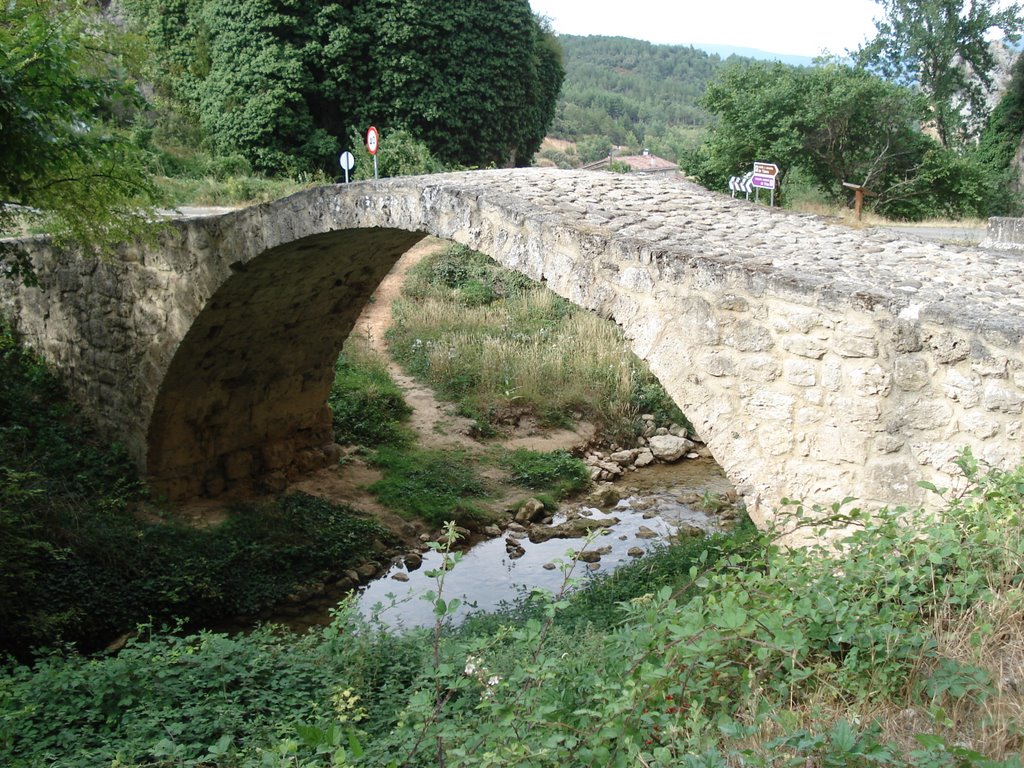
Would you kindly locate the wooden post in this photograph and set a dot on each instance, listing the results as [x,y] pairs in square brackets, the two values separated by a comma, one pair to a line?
[859,191]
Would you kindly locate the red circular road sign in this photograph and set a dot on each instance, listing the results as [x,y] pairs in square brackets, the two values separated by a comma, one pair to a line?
[372,138]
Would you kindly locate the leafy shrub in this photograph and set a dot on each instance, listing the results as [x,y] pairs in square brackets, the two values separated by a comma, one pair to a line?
[724,651]
[436,486]
[368,407]
[558,471]
[78,566]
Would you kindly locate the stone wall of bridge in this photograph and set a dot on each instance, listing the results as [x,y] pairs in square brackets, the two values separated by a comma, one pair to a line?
[817,362]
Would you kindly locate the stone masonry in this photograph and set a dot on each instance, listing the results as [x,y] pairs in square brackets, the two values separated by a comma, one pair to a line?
[817,362]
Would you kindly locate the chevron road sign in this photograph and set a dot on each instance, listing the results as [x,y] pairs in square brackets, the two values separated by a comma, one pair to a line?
[743,183]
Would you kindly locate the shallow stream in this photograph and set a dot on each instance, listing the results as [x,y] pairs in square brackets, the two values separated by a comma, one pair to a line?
[654,498]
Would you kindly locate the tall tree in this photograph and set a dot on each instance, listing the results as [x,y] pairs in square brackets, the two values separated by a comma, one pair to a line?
[943,47]
[65,154]
[284,82]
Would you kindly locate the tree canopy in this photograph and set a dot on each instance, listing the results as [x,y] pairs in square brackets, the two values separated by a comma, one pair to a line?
[835,123]
[943,47]
[65,105]
[284,82]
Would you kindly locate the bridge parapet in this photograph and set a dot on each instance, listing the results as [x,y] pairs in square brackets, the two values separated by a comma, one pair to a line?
[816,361]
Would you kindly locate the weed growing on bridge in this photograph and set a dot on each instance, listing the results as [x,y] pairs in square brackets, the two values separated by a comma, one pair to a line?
[504,347]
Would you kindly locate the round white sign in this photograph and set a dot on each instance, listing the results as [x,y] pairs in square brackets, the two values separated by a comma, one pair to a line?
[347,160]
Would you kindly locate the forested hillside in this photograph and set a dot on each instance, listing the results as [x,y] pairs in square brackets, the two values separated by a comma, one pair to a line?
[631,92]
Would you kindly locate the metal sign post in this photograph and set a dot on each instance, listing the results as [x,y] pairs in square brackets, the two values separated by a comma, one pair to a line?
[764,178]
[347,161]
[372,140]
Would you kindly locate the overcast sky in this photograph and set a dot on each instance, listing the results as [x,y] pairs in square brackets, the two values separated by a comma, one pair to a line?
[795,27]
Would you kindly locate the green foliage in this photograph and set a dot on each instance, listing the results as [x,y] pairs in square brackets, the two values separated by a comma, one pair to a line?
[999,141]
[647,396]
[944,48]
[720,652]
[78,565]
[368,407]
[833,123]
[465,275]
[556,471]
[433,485]
[65,104]
[399,153]
[504,348]
[285,83]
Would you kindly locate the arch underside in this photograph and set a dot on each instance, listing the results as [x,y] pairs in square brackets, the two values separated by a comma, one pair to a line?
[243,403]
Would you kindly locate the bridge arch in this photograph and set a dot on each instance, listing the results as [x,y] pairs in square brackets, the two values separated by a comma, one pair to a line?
[816,361]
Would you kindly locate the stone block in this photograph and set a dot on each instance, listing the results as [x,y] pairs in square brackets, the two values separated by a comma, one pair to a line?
[760,368]
[1003,398]
[852,346]
[718,364]
[766,405]
[949,348]
[929,415]
[238,465]
[805,346]
[749,337]
[964,389]
[910,373]
[775,439]
[871,382]
[799,373]
[979,425]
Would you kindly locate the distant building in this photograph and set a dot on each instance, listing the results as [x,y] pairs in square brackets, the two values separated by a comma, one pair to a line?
[645,163]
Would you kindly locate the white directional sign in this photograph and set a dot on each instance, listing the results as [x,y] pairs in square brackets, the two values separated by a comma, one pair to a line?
[347,161]
[764,175]
[741,183]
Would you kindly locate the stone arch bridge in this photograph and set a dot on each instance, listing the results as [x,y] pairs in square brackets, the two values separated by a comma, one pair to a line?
[816,361]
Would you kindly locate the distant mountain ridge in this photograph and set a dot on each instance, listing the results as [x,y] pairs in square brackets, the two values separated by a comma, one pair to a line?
[725,51]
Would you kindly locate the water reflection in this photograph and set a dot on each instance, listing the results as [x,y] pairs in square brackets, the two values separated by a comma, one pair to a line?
[659,504]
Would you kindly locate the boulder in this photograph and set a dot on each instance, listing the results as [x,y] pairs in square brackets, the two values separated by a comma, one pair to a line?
[670,448]
[644,458]
[570,529]
[623,458]
[530,511]
[605,495]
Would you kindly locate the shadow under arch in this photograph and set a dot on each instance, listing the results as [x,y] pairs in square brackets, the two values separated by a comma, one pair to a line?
[243,402]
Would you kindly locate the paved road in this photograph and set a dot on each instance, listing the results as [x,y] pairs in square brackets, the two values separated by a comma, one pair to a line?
[966,236]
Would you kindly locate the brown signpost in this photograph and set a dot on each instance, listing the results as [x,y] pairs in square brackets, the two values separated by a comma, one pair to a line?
[859,191]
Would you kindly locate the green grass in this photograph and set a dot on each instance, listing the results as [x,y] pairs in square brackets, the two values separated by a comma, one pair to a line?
[502,346]
[369,408]
[555,471]
[436,486]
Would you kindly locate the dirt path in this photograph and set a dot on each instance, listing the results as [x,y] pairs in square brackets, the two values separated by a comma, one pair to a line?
[435,423]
